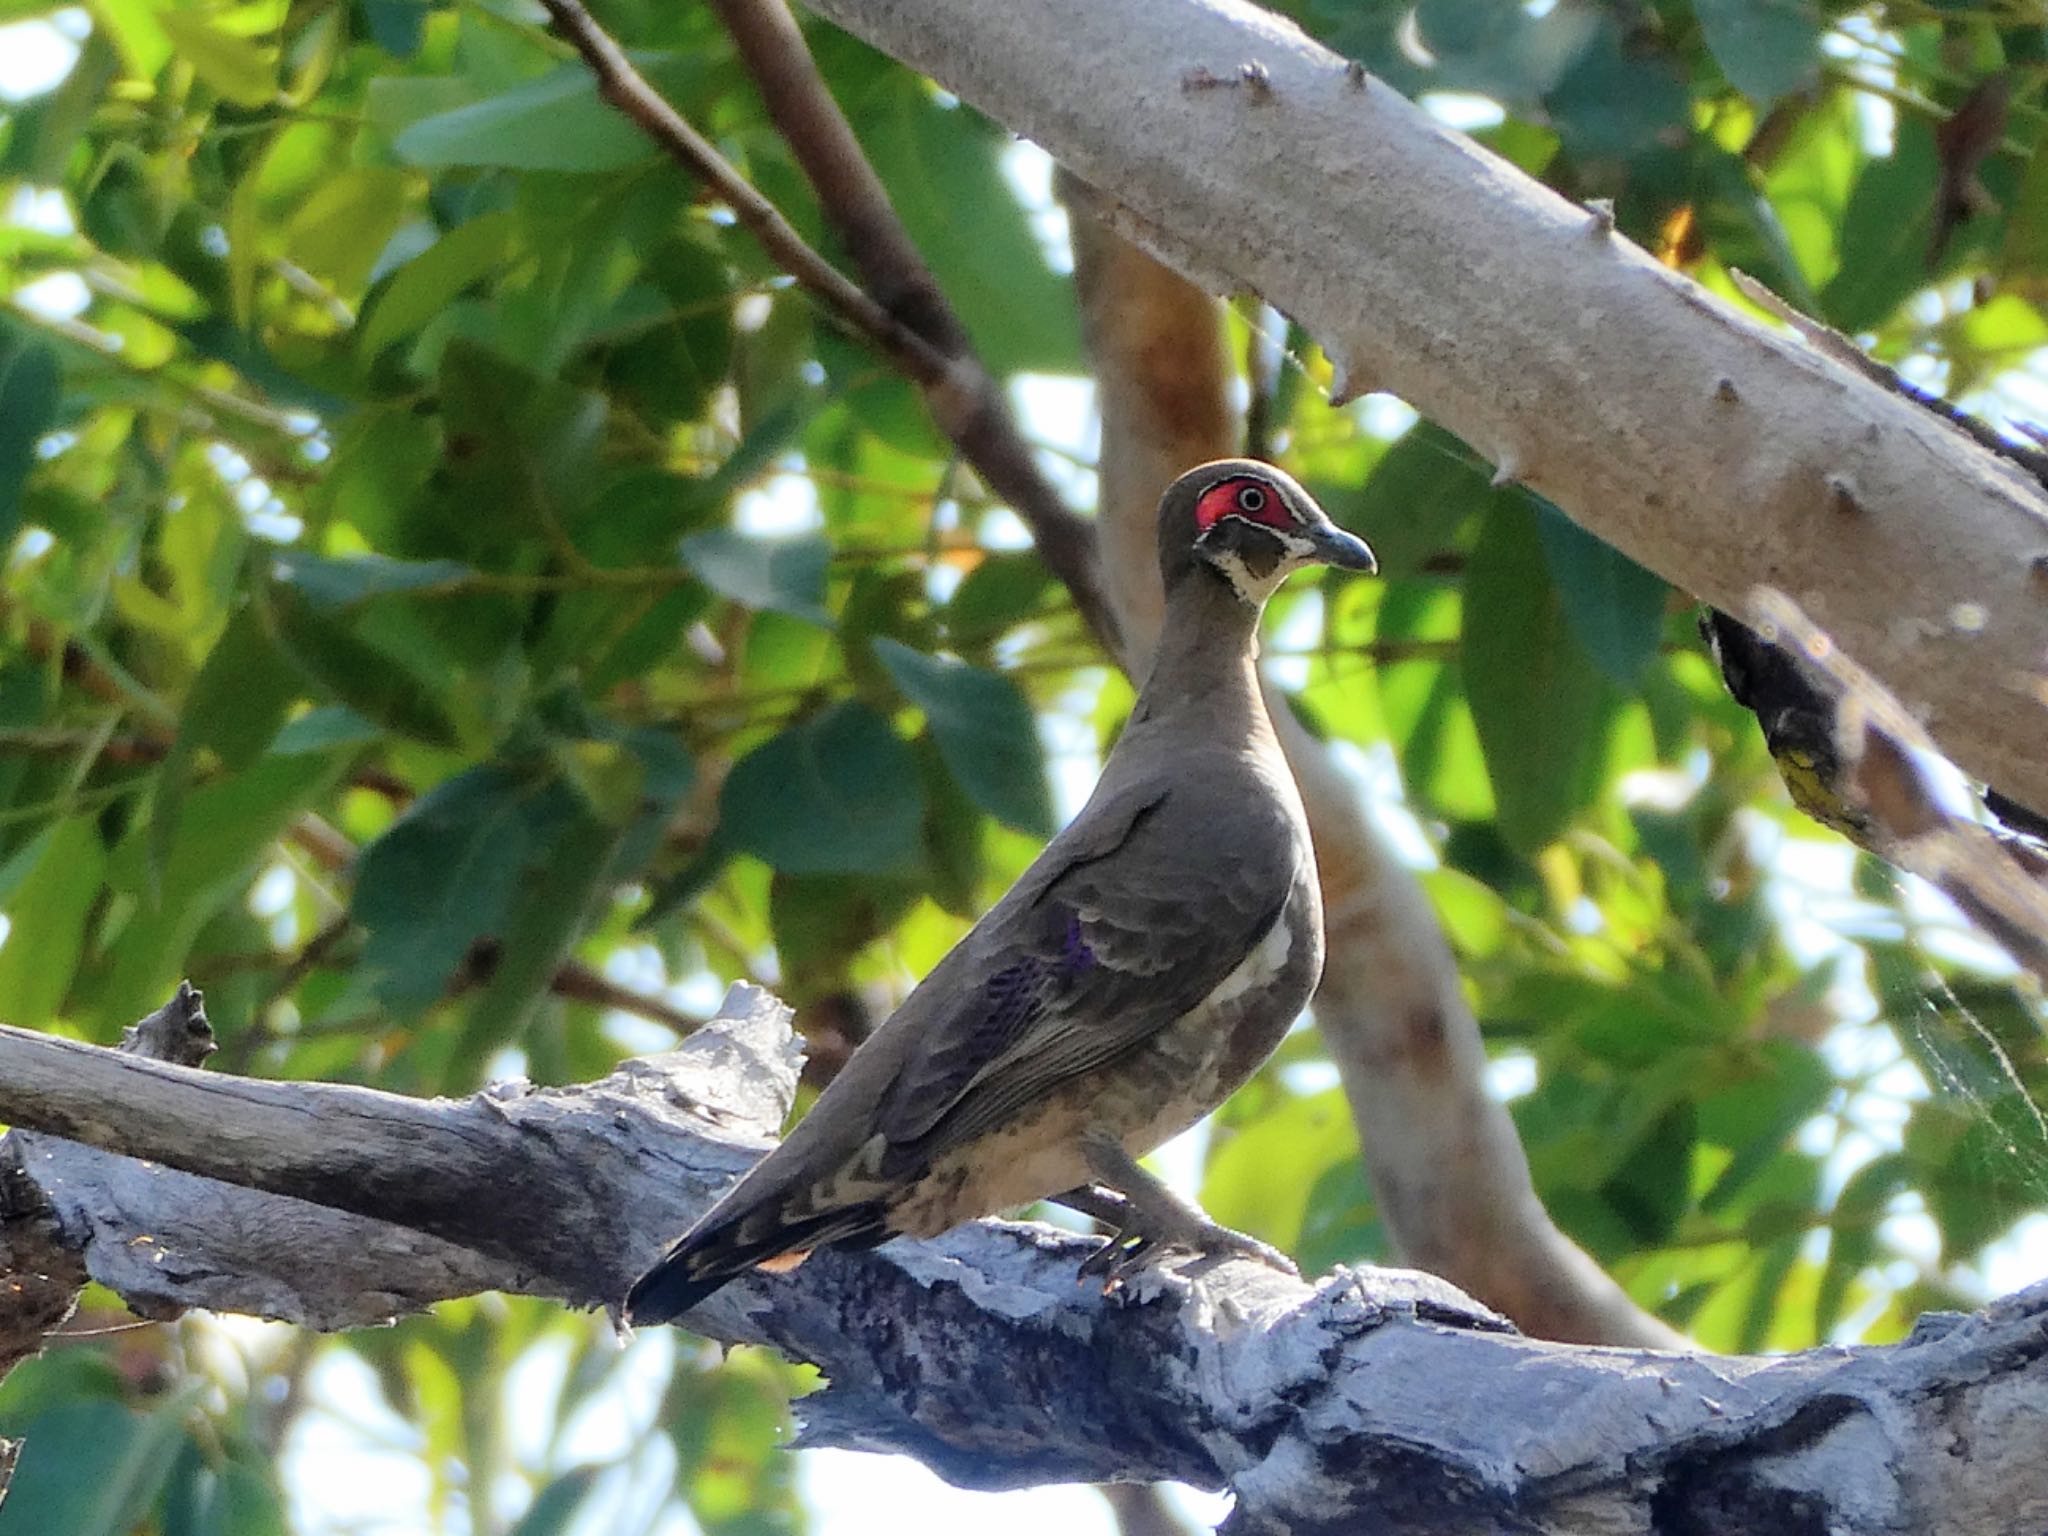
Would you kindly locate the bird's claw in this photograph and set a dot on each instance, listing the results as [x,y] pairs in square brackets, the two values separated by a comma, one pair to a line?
[1122,1258]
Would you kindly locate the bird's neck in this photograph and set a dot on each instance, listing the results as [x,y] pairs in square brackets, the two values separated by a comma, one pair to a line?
[1206,661]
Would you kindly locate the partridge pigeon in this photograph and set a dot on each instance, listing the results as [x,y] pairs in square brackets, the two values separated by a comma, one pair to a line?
[1137,974]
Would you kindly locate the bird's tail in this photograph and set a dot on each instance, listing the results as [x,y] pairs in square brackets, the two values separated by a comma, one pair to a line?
[720,1249]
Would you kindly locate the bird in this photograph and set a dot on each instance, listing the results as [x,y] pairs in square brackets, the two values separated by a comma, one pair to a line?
[1136,974]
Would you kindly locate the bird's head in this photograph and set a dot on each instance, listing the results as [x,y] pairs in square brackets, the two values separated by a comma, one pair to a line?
[1252,524]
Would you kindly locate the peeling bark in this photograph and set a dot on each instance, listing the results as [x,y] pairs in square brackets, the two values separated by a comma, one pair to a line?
[1369,1400]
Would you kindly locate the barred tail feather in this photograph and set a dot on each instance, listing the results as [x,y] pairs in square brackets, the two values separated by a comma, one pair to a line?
[708,1256]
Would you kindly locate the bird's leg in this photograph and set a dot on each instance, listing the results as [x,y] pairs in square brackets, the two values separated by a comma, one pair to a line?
[1154,1217]
[1097,1204]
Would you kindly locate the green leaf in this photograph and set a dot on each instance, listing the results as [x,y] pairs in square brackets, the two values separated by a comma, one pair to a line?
[379,684]
[317,730]
[426,285]
[782,575]
[447,873]
[939,161]
[1852,1238]
[1767,48]
[224,829]
[555,123]
[1883,241]
[1616,607]
[235,706]
[43,132]
[556,902]
[1262,1174]
[244,72]
[1538,699]
[1000,592]
[523,446]
[47,914]
[2026,227]
[332,584]
[555,1505]
[29,384]
[89,1469]
[1618,104]
[1419,501]
[837,794]
[984,729]
[341,229]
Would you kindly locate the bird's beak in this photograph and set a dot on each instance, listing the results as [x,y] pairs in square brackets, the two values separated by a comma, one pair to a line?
[1346,551]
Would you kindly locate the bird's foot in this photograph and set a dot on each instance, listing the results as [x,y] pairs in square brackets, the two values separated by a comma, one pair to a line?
[1153,1221]
[1122,1258]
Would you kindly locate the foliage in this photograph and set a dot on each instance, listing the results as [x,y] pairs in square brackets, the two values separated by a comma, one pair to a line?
[444,552]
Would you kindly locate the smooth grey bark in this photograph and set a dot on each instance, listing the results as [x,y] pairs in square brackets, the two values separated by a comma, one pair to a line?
[1368,1400]
[1720,453]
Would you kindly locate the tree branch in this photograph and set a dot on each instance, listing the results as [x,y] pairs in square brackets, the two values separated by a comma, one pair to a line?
[1442,1154]
[1370,1400]
[911,322]
[1716,452]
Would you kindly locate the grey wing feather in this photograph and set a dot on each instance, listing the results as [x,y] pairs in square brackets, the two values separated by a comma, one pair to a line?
[1099,956]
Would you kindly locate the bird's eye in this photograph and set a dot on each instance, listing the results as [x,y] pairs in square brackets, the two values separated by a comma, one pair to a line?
[1251,499]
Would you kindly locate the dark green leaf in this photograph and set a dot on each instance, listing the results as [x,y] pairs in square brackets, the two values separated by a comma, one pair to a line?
[982,723]
[1001,591]
[379,684]
[88,1469]
[1885,230]
[555,1505]
[821,922]
[1852,1238]
[28,407]
[235,706]
[523,446]
[1616,608]
[448,873]
[1767,48]
[835,794]
[1537,697]
[553,907]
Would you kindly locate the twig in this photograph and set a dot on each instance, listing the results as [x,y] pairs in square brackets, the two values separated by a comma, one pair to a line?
[913,327]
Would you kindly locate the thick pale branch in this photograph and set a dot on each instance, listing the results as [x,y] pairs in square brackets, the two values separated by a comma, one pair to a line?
[1374,1400]
[910,321]
[1715,451]
[1441,1152]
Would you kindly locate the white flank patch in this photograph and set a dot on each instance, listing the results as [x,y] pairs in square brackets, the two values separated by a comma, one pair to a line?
[1255,969]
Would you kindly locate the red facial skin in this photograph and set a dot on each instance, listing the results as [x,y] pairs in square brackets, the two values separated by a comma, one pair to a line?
[1245,496]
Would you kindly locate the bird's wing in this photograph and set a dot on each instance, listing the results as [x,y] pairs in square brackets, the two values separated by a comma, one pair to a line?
[1099,954]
